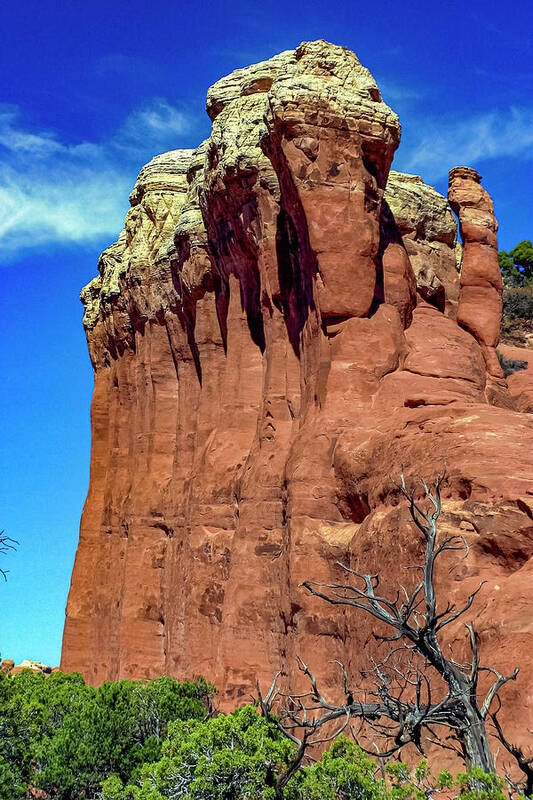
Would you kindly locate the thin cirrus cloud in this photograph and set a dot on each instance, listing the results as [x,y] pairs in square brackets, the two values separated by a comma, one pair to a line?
[441,144]
[52,192]
[154,126]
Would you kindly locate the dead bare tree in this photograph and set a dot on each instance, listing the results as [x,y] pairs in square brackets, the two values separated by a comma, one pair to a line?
[524,763]
[6,544]
[400,704]
[266,704]
[304,731]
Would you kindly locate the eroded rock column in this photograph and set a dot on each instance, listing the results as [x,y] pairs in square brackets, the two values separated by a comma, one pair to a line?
[480,293]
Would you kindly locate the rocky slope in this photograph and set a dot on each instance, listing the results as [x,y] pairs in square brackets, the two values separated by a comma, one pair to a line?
[272,340]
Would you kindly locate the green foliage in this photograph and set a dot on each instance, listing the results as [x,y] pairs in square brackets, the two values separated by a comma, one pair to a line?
[223,758]
[134,740]
[343,773]
[511,275]
[517,265]
[419,784]
[65,737]
[240,756]
[478,785]
[32,706]
[12,784]
[522,256]
[113,788]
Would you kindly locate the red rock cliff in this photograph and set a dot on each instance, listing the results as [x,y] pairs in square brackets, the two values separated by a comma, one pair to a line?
[271,343]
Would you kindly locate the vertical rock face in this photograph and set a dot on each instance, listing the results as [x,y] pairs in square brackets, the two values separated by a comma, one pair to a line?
[270,347]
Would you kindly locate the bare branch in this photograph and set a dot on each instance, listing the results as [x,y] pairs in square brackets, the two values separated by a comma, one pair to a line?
[267,703]
[6,544]
[399,704]
[500,681]
[524,763]
[463,610]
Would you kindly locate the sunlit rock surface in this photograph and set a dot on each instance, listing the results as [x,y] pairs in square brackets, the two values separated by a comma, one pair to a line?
[272,342]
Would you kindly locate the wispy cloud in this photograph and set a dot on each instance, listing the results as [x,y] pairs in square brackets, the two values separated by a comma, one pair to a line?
[64,202]
[53,192]
[444,143]
[19,141]
[158,123]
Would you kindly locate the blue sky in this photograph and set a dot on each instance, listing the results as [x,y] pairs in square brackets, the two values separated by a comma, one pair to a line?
[89,92]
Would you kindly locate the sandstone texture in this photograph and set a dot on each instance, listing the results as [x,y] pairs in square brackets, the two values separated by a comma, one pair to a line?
[429,233]
[480,299]
[273,337]
[520,383]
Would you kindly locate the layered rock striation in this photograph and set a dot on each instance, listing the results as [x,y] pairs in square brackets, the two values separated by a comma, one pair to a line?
[273,337]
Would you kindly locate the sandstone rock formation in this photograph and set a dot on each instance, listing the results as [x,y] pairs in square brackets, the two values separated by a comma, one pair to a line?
[265,363]
[480,298]
[429,233]
[520,383]
[9,666]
